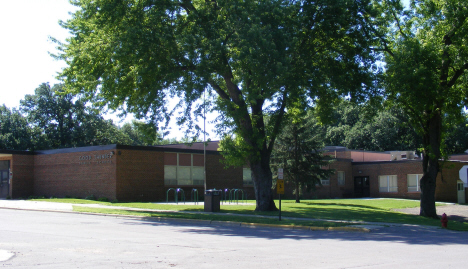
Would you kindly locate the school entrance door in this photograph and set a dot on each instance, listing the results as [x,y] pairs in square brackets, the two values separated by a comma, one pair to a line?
[4,183]
[4,179]
[361,187]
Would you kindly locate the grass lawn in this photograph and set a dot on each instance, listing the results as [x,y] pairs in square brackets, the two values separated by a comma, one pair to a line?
[368,210]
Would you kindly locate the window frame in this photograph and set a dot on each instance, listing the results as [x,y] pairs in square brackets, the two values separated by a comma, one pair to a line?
[341,180]
[247,180]
[191,177]
[325,182]
[389,188]
[418,181]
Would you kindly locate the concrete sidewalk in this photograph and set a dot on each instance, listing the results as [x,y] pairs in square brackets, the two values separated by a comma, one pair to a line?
[355,226]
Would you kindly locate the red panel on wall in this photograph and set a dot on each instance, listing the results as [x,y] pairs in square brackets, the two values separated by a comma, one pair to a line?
[170,158]
[198,160]
[185,159]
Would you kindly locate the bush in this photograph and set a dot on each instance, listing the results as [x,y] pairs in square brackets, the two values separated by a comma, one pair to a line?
[91,197]
[103,199]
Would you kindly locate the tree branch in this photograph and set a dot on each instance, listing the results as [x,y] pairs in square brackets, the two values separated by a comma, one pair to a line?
[398,24]
[278,122]
[187,6]
[219,91]
[457,74]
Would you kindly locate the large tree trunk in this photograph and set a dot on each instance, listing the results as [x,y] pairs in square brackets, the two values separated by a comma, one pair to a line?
[428,186]
[297,190]
[431,155]
[262,178]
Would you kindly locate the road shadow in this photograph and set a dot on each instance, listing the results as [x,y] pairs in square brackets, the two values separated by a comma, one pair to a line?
[415,235]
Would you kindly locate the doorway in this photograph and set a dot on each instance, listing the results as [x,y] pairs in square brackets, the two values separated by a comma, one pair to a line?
[4,183]
[4,179]
[361,187]
[461,192]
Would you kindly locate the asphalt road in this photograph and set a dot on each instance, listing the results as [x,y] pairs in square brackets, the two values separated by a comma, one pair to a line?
[32,239]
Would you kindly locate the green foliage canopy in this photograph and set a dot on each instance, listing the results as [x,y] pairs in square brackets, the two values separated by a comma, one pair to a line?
[59,120]
[15,132]
[298,150]
[258,57]
[426,52]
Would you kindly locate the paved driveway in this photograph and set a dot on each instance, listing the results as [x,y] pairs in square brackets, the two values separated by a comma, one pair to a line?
[453,211]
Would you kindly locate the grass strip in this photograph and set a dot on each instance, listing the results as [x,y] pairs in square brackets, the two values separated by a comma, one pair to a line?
[365,210]
[208,217]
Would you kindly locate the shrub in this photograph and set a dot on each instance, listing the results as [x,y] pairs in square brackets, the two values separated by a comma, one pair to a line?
[91,197]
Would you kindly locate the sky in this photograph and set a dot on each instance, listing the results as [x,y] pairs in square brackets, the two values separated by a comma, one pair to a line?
[25,63]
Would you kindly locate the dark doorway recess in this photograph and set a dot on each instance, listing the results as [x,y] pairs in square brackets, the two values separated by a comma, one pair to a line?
[4,179]
[361,187]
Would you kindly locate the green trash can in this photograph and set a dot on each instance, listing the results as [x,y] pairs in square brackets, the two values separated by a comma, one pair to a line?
[212,200]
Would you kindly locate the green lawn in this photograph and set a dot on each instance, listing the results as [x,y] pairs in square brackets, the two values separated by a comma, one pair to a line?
[369,210]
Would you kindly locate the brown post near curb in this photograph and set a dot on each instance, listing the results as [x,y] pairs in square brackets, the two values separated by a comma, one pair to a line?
[280,190]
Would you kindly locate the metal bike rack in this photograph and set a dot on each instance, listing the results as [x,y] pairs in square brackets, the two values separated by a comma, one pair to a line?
[176,194]
[225,194]
[194,196]
[234,195]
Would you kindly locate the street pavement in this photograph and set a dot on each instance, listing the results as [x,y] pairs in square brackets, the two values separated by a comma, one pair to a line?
[62,239]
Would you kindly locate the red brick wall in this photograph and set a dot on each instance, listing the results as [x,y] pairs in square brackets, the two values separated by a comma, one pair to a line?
[22,184]
[140,175]
[400,169]
[78,174]
[446,189]
[446,185]
[220,177]
[328,191]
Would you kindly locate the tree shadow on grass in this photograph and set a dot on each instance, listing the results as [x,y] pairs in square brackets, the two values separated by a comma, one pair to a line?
[315,204]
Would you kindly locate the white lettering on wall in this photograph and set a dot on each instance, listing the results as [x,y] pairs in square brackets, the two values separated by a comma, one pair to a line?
[96,159]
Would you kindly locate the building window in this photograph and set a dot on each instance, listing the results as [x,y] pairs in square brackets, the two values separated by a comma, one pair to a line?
[170,175]
[341,178]
[183,169]
[325,182]
[388,183]
[413,182]
[247,176]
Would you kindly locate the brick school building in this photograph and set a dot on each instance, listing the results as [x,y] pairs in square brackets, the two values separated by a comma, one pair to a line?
[140,173]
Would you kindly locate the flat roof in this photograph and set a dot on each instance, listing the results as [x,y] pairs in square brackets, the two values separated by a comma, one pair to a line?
[9,152]
[161,148]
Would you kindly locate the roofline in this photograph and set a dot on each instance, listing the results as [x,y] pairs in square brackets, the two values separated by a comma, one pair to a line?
[380,162]
[189,143]
[17,152]
[121,147]
[167,149]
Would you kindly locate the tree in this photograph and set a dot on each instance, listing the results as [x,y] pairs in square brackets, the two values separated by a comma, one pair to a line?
[369,127]
[456,137]
[298,151]
[61,120]
[426,55]
[15,132]
[257,57]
